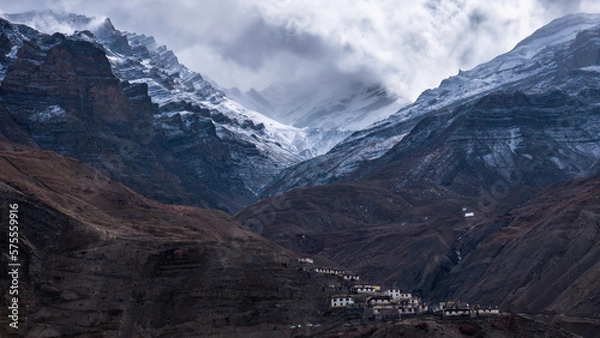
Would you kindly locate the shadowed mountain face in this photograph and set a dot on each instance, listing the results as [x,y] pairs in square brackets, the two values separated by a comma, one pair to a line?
[98,259]
[526,250]
[493,141]
[404,238]
[542,257]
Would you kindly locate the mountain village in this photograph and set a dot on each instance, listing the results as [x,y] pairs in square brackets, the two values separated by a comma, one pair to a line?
[369,302]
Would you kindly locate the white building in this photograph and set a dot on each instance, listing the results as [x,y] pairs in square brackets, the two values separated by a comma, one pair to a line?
[341,301]
[406,310]
[459,312]
[305,260]
[488,312]
[365,288]
[395,294]
[398,294]
[329,271]
[469,214]
[351,277]
[379,300]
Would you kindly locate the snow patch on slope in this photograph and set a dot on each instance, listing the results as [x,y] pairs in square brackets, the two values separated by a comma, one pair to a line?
[52,113]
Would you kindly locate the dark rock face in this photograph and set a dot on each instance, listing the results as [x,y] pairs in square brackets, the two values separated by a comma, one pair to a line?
[76,72]
[402,238]
[59,93]
[99,260]
[541,257]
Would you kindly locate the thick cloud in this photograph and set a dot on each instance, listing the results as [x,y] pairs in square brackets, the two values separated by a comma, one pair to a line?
[408,45]
[260,41]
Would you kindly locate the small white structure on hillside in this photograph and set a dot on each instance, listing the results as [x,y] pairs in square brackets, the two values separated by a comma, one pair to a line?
[459,312]
[329,271]
[365,288]
[469,214]
[351,277]
[341,301]
[379,300]
[406,310]
[398,294]
[488,312]
[305,260]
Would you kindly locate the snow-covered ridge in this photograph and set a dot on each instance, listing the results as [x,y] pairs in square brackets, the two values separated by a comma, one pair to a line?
[170,82]
[346,106]
[531,57]
[534,65]
[140,59]
[523,66]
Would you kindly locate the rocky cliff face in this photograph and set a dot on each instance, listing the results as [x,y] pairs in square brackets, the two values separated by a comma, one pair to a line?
[59,93]
[501,140]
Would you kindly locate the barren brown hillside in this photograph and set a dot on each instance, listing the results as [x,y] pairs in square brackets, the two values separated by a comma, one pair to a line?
[99,260]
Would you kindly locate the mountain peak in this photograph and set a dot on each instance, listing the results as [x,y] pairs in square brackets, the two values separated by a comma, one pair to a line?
[560,57]
[557,31]
[51,21]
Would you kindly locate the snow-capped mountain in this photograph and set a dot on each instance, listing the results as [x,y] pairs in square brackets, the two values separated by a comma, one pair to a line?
[296,122]
[125,105]
[559,57]
[179,91]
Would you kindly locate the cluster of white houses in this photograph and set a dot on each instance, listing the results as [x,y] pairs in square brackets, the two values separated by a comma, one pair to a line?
[386,304]
[347,275]
[391,303]
[459,310]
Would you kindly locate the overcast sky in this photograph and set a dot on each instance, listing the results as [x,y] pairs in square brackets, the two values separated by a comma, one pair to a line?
[407,45]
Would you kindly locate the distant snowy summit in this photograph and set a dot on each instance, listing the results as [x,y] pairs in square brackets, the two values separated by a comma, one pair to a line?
[351,105]
[334,111]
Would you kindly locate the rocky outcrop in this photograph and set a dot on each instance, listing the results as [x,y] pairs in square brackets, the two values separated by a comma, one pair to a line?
[75,71]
